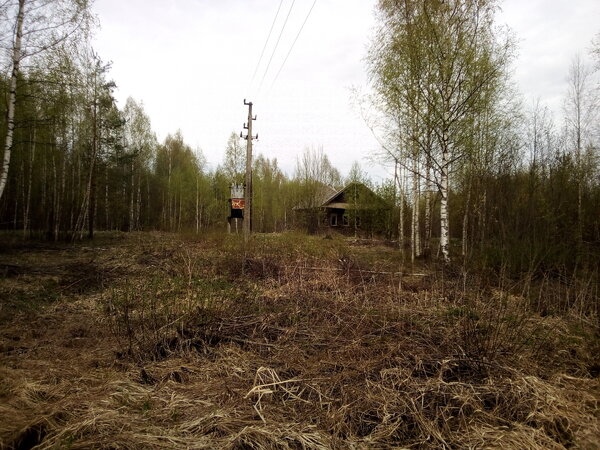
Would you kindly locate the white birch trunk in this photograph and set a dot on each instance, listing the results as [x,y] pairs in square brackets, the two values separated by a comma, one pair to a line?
[444,222]
[12,97]
[415,234]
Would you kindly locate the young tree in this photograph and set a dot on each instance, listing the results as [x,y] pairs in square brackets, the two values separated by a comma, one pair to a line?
[580,112]
[140,144]
[268,204]
[234,164]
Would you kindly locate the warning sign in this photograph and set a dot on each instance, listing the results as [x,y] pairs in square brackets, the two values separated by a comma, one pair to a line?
[237,203]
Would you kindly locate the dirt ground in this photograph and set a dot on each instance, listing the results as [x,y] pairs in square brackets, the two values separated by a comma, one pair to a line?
[153,340]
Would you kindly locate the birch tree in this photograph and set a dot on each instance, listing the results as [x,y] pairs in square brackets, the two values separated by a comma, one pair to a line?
[140,142]
[38,26]
[234,163]
[580,107]
[315,172]
[434,59]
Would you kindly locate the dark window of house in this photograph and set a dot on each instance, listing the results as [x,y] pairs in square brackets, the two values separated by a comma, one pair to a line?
[345,220]
[357,221]
[333,220]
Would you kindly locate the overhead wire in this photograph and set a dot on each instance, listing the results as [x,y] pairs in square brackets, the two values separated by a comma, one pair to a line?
[292,46]
[276,44]
[266,42]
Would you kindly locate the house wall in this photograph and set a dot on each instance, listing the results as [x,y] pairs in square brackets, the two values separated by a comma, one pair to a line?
[364,222]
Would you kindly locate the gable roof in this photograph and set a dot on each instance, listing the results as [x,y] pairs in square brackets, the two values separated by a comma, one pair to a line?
[321,193]
[355,195]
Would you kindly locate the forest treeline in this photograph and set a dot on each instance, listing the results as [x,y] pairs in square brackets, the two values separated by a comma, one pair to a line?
[477,172]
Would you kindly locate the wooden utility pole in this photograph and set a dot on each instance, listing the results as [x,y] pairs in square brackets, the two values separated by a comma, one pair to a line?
[248,190]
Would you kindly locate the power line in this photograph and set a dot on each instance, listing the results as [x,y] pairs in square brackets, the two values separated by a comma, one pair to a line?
[266,42]
[276,44]
[293,43]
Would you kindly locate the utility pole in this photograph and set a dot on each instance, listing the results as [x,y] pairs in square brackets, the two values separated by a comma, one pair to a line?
[248,190]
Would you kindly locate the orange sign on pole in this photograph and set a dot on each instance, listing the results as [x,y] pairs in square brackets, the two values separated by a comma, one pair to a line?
[237,203]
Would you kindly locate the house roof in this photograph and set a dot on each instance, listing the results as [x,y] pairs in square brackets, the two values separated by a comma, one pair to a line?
[354,195]
[361,197]
[322,193]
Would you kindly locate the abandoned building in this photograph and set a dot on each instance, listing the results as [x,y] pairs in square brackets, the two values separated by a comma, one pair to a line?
[355,209]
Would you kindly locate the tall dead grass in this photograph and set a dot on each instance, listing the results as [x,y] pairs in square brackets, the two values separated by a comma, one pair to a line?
[254,347]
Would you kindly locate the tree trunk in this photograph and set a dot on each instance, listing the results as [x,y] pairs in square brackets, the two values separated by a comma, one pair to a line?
[200,219]
[197,208]
[44,183]
[395,202]
[465,224]
[61,197]
[169,199]
[83,211]
[123,221]
[482,216]
[106,216]
[29,182]
[92,180]
[138,202]
[401,219]
[147,200]
[580,175]
[55,200]
[415,232]
[180,208]
[163,214]
[444,220]
[427,241]
[131,198]
[12,97]
[18,183]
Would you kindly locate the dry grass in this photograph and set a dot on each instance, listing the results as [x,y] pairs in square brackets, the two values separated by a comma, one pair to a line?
[286,343]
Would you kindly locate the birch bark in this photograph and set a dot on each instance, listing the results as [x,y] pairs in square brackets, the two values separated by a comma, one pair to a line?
[444,221]
[12,97]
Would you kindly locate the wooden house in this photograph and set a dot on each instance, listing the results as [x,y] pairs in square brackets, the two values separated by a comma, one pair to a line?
[355,209]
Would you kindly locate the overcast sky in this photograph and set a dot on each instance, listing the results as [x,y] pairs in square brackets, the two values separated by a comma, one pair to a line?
[191,62]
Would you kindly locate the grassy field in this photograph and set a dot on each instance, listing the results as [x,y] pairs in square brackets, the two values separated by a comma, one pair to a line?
[156,340]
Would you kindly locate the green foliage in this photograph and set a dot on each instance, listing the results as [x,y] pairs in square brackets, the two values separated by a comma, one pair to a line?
[234,164]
